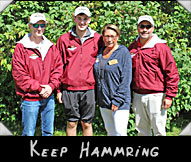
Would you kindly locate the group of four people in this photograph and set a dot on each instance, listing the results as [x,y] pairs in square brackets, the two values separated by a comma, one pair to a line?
[85,65]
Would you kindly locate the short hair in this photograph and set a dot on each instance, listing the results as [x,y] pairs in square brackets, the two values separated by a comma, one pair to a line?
[111,27]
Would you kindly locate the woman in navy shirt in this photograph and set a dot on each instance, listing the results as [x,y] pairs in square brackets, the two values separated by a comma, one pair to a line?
[113,74]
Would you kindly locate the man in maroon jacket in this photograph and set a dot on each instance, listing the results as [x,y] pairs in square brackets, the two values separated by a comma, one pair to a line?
[155,79]
[79,48]
[36,69]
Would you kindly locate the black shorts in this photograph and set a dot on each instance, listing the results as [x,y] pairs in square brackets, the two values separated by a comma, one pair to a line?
[79,105]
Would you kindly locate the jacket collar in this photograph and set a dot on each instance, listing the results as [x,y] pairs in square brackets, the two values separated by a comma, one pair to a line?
[89,33]
[154,40]
[27,43]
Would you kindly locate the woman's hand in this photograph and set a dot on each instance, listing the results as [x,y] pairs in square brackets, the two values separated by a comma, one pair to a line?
[114,108]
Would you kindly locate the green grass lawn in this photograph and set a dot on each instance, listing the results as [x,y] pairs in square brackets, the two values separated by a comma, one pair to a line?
[177,125]
[174,131]
[63,133]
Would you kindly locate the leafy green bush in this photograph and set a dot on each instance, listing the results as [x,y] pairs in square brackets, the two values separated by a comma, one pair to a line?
[172,23]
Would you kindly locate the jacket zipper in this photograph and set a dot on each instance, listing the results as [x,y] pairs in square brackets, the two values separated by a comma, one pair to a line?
[41,60]
[139,66]
[80,63]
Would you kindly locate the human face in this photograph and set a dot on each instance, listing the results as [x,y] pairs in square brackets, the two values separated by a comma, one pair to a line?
[110,38]
[82,22]
[37,32]
[145,33]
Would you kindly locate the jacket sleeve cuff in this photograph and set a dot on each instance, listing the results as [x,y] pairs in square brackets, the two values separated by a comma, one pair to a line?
[52,86]
[58,90]
[39,89]
[168,97]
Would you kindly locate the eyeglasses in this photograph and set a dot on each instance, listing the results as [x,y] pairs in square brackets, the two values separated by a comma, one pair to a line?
[37,25]
[109,36]
[145,26]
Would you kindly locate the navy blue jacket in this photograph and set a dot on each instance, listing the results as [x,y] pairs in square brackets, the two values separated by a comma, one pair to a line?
[113,85]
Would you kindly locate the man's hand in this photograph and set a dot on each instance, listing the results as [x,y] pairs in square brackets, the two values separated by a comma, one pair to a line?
[59,97]
[166,103]
[46,91]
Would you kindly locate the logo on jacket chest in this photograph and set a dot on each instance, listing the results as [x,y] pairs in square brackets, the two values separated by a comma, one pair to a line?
[132,55]
[33,56]
[72,48]
[133,52]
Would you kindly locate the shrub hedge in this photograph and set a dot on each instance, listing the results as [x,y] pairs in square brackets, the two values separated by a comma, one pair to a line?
[172,24]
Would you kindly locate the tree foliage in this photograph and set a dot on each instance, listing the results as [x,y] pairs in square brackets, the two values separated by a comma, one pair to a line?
[172,23]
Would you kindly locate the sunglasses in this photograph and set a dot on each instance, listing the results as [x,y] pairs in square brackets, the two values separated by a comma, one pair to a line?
[37,25]
[145,26]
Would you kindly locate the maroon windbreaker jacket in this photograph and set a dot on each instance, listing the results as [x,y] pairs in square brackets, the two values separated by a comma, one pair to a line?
[79,59]
[154,69]
[29,70]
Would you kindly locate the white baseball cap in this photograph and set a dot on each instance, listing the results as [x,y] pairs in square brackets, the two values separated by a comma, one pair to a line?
[83,10]
[34,18]
[145,18]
